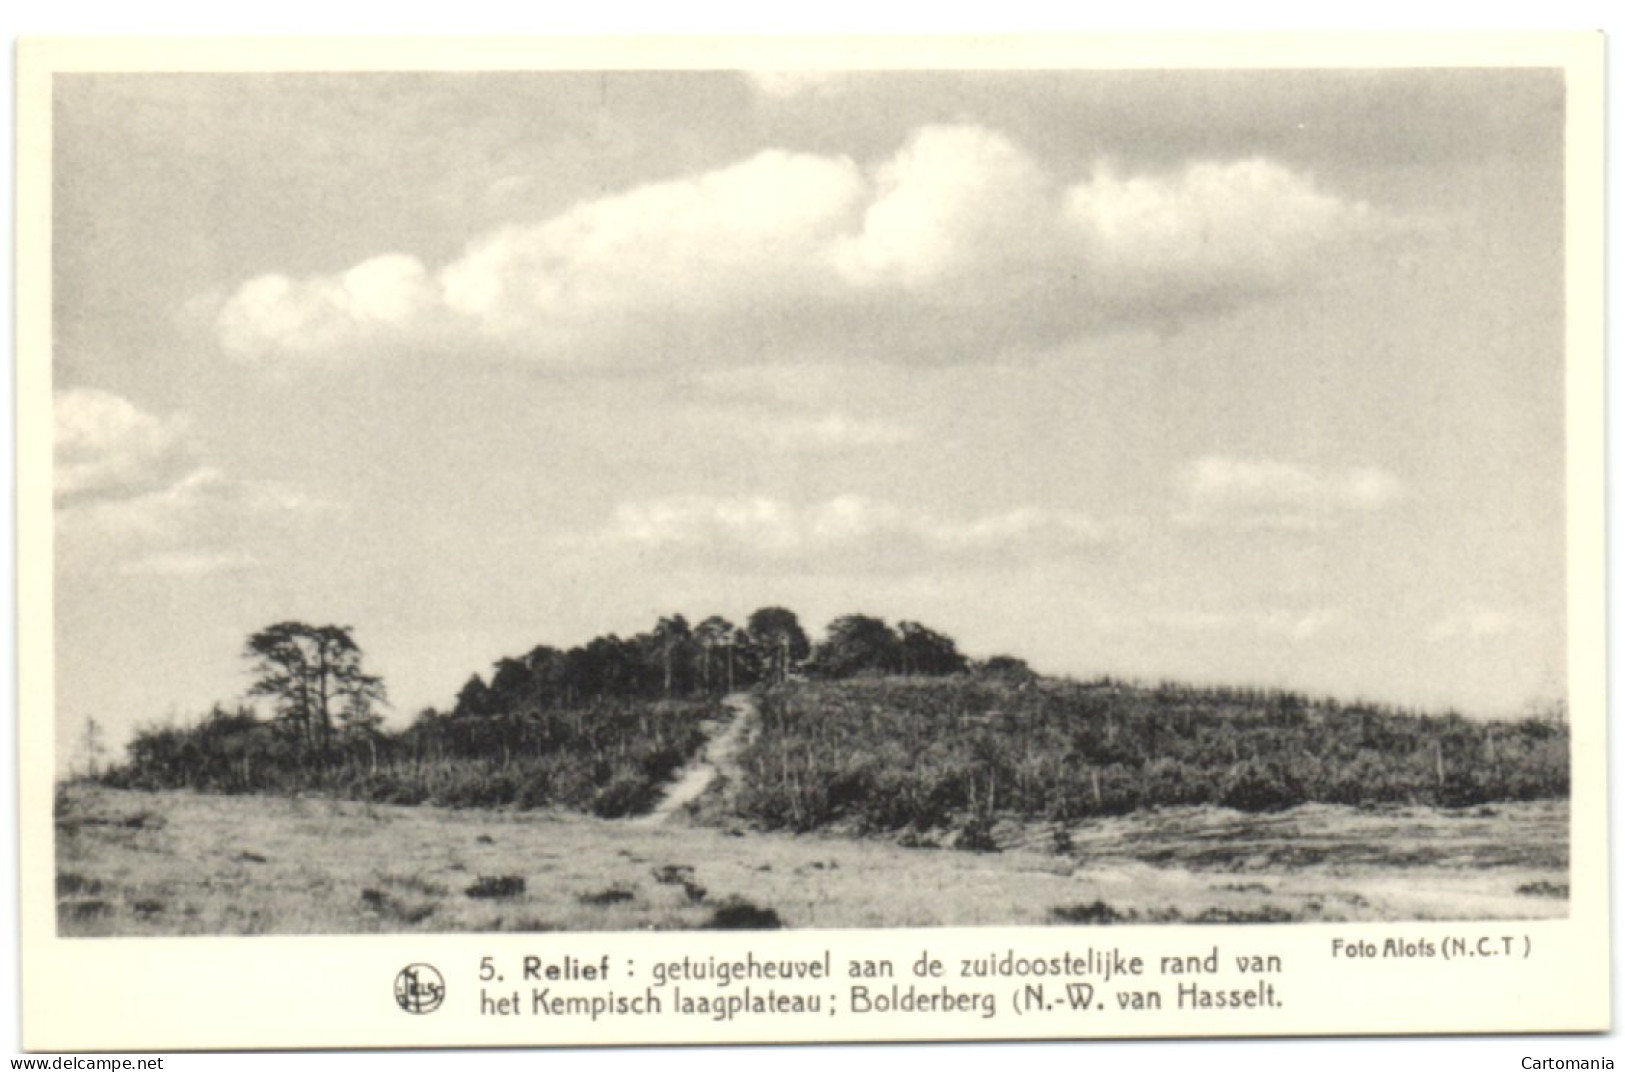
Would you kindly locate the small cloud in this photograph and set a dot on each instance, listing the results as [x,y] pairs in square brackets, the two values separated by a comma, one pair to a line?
[836,431]
[1476,624]
[153,516]
[1298,626]
[132,499]
[188,563]
[1264,494]
[783,384]
[847,533]
[1294,625]
[1192,621]
[809,433]
[804,83]
[1213,229]
[507,188]
[106,448]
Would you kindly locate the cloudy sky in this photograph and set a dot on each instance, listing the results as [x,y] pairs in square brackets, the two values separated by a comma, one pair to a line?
[1223,376]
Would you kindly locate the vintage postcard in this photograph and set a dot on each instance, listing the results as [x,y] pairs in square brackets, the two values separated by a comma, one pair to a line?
[573,542]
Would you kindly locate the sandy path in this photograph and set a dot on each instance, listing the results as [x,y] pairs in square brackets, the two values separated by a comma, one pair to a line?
[716,758]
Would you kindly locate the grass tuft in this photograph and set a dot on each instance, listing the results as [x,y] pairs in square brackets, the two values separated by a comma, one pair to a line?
[1093,912]
[393,908]
[1544,889]
[80,911]
[673,874]
[69,884]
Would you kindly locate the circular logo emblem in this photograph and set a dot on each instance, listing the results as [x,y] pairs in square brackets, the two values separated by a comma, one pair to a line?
[419,989]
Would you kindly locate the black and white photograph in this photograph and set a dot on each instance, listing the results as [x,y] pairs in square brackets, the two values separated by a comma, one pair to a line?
[616,498]
[637,500]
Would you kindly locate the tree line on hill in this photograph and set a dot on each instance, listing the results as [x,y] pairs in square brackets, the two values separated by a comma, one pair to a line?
[874,726]
[676,660]
[600,726]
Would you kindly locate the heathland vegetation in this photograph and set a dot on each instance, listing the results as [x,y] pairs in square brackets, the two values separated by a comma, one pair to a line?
[874,728]
[962,752]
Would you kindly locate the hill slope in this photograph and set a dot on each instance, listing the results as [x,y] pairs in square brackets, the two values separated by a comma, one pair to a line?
[880,753]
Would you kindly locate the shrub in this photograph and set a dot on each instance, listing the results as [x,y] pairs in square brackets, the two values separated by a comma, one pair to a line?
[1256,786]
[625,794]
[494,886]
[976,836]
[738,914]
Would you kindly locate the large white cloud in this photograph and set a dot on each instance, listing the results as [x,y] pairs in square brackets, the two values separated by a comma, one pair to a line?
[959,247]
[844,534]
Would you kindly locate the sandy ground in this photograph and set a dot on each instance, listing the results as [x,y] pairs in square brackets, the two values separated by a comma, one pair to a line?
[716,760]
[181,863]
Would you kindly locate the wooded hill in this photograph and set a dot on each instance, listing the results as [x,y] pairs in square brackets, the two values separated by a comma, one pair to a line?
[675,660]
[872,728]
